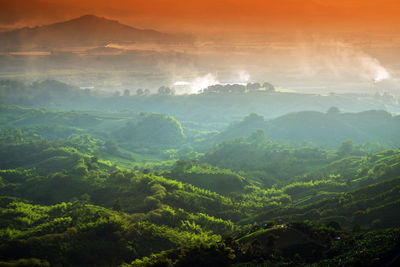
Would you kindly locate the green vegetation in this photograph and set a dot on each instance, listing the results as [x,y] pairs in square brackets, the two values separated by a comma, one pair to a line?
[119,187]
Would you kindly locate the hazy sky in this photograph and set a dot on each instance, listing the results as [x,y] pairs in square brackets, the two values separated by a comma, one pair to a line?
[301,42]
[215,15]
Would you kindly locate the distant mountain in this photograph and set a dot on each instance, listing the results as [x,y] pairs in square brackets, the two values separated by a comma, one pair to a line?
[88,30]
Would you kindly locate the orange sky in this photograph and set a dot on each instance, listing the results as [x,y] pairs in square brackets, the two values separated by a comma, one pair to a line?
[215,15]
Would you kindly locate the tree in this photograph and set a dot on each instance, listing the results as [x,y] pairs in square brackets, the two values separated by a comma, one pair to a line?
[253,86]
[164,90]
[214,89]
[257,137]
[346,148]
[127,92]
[85,198]
[333,110]
[269,87]
[139,91]
[181,167]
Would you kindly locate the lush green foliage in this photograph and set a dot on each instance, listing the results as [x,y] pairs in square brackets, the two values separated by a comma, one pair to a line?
[102,188]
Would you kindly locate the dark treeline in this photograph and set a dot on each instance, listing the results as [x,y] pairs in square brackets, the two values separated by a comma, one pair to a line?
[212,110]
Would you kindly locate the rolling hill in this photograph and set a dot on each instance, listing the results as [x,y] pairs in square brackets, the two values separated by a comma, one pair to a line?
[324,129]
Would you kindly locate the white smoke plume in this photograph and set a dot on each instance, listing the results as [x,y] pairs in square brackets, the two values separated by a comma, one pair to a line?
[201,83]
[244,76]
[374,69]
[340,60]
[196,85]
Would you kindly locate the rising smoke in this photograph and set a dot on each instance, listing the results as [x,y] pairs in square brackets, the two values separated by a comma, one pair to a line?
[341,61]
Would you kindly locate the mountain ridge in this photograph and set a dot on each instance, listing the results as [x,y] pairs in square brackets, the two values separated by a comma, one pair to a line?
[87,30]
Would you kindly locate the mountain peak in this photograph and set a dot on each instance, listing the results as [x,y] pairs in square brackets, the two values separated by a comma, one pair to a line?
[87,30]
[91,17]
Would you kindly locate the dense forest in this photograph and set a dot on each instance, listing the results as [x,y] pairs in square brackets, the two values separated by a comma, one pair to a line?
[233,178]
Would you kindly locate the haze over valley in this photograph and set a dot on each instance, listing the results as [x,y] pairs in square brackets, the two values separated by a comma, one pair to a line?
[199,133]
[92,51]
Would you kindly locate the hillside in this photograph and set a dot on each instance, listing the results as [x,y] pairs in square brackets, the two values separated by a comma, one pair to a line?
[184,133]
[88,30]
[322,129]
[142,189]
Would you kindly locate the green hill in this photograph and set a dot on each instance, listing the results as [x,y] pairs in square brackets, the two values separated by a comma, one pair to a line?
[322,129]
